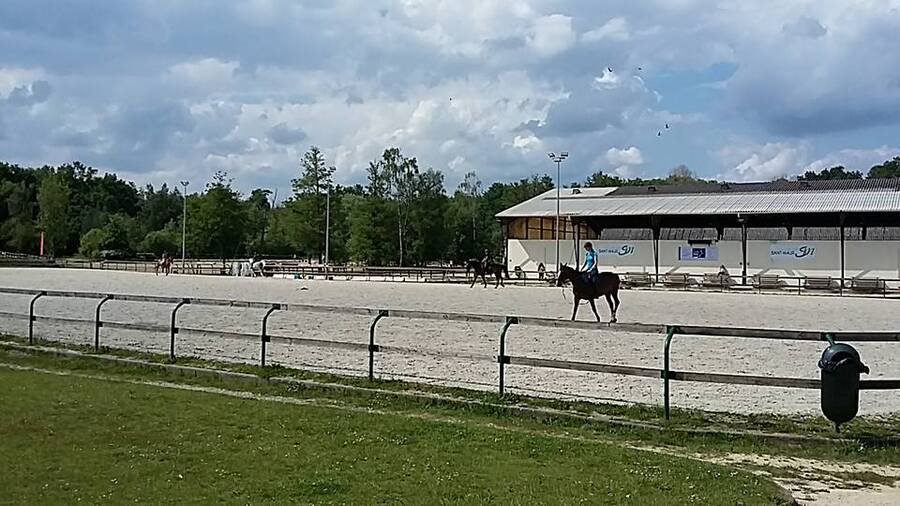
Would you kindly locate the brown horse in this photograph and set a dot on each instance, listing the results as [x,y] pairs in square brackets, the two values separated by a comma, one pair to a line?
[164,265]
[607,284]
[492,269]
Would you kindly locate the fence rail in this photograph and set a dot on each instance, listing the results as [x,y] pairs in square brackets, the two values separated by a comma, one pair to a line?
[762,282]
[502,358]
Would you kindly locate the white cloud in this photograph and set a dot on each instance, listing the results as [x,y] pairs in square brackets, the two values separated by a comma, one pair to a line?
[762,163]
[608,80]
[624,160]
[616,29]
[207,74]
[626,156]
[552,34]
[15,77]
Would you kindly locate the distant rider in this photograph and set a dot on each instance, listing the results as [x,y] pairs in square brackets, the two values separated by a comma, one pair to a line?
[485,260]
[590,263]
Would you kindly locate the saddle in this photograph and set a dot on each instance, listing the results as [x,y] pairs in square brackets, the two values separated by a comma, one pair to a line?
[592,280]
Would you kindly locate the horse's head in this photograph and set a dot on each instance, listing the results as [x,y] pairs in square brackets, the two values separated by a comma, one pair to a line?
[566,274]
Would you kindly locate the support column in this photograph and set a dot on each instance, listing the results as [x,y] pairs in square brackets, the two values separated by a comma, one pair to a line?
[843,234]
[577,238]
[743,251]
[654,224]
[506,242]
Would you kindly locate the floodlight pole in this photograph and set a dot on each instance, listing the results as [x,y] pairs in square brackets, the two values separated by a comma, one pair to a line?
[184,184]
[558,160]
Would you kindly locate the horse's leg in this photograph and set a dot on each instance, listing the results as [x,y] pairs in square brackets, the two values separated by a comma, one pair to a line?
[615,296]
[594,309]
[612,309]
[575,309]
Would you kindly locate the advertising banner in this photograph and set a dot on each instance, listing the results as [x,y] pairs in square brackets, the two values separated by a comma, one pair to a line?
[783,251]
[698,253]
[615,250]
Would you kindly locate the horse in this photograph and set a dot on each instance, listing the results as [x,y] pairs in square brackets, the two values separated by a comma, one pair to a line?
[258,268]
[165,265]
[607,285]
[497,270]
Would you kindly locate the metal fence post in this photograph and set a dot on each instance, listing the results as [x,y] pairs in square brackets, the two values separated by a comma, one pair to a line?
[502,359]
[31,317]
[264,337]
[670,333]
[174,330]
[372,346]
[98,323]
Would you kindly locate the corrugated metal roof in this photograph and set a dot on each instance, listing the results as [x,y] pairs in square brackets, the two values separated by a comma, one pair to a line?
[608,202]
[771,186]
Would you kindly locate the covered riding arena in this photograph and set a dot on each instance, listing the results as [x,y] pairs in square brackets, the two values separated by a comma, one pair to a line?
[462,353]
[828,235]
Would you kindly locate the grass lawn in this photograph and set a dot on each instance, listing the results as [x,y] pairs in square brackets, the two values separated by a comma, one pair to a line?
[65,440]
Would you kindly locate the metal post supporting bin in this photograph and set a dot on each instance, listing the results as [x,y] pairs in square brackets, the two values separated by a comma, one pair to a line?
[372,346]
[99,323]
[31,316]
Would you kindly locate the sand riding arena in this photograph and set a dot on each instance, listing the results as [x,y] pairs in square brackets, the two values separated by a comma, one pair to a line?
[463,353]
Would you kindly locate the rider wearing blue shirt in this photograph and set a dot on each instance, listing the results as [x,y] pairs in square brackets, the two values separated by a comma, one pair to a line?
[591,261]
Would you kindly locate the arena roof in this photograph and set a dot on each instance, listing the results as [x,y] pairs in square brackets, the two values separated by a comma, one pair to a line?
[735,199]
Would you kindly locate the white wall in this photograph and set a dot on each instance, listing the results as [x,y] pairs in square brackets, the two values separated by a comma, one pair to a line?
[869,258]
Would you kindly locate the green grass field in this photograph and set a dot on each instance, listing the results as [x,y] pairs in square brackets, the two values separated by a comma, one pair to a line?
[68,439]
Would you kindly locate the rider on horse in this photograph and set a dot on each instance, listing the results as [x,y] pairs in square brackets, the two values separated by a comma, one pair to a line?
[590,263]
[486,259]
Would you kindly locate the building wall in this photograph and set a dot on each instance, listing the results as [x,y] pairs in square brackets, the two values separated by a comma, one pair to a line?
[867,258]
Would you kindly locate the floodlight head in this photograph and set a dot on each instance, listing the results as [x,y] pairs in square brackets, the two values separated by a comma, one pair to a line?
[564,155]
[552,155]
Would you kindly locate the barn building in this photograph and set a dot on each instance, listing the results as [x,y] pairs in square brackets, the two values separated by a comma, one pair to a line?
[844,230]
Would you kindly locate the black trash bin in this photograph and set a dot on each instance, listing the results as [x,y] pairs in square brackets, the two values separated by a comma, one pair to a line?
[841,367]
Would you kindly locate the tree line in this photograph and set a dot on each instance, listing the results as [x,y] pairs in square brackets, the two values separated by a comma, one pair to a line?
[403,215]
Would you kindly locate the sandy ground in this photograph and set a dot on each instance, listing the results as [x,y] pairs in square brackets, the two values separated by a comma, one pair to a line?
[606,346]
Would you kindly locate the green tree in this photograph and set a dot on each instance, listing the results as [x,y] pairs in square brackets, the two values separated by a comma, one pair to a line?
[167,240]
[217,219]
[159,207]
[17,231]
[838,172]
[53,201]
[119,234]
[890,168]
[92,244]
[309,201]
[259,210]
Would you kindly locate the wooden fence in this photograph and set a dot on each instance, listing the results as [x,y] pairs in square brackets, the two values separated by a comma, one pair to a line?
[502,359]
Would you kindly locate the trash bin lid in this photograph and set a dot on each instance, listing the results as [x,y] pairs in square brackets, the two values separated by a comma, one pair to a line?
[837,352]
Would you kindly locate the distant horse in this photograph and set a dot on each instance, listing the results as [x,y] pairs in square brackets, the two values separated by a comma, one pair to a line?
[258,268]
[165,265]
[493,269]
[607,285]
[241,269]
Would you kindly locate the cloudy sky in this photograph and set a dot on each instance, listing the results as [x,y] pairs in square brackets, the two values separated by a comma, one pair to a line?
[161,90]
